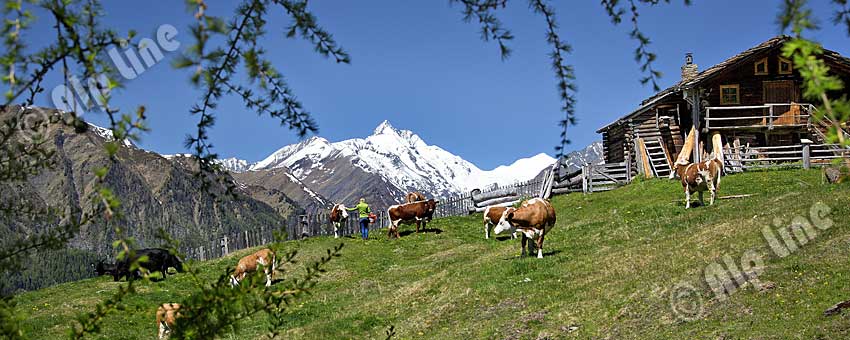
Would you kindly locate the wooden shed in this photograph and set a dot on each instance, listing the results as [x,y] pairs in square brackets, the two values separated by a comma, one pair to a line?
[753,99]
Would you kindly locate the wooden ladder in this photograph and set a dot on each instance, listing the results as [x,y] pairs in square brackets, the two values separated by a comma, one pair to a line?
[657,155]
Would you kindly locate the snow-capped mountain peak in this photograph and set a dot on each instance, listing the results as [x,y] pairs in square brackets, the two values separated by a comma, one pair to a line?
[400,158]
[592,154]
[279,157]
[385,128]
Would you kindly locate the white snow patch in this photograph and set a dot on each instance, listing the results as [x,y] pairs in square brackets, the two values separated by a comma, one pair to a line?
[305,188]
[107,134]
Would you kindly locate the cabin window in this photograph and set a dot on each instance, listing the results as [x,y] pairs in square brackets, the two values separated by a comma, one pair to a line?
[785,66]
[761,67]
[730,94]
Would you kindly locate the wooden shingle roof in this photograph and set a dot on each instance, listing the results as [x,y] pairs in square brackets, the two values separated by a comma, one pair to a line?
[715,70]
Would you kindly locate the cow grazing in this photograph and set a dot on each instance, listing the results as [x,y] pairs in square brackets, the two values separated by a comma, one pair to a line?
[492,216]
[533,219]
[414,197]
[159,260]
[409,213]
[699,177]
[166,315]
[338,218]
[248,264]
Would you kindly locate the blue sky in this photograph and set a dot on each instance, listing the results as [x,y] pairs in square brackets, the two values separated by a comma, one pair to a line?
[418,65]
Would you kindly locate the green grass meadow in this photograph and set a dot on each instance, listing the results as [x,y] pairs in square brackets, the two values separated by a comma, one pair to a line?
[610,265]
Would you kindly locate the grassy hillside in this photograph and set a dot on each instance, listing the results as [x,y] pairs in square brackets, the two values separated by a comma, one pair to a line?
[609,266]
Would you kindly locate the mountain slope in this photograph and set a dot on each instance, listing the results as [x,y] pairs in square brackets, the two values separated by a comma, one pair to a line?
[155,192]
[266,184]
[612,261]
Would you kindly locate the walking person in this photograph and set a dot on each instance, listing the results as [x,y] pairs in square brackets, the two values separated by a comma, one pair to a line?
[363,211]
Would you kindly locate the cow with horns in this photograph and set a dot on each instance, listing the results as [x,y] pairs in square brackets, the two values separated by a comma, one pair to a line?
[493,215]
[699,177]
[534,219]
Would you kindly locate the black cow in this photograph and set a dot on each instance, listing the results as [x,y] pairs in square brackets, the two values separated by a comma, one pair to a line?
[102,268]
[159,260]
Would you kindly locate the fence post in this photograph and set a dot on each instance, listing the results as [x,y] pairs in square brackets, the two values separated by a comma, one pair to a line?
[807,161]
[584,179]
[201,253]
[224,246]
[770,124]
[302,227]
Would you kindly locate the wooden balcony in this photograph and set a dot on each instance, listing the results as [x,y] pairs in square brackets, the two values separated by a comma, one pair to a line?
[758,117]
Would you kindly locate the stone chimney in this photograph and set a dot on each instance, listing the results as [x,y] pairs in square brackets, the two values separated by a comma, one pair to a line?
[689,70]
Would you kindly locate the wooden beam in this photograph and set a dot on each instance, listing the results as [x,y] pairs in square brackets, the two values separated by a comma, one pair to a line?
[685,154]
[695,111]
[644,158]
[717,146]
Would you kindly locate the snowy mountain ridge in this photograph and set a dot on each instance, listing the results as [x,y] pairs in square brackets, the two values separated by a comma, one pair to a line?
[400,157]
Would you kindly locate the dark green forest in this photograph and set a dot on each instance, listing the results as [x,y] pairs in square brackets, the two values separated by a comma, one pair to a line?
[50,268]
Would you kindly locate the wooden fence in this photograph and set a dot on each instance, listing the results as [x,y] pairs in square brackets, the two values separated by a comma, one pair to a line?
[738,159]
[296,228]
[593,178]
[478,200]
[457,205]
[507,195]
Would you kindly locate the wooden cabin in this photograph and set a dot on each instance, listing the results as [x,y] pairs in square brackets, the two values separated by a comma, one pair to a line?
[752,99]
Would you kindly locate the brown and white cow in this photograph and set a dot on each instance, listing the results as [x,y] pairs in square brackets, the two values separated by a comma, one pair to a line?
[534,219]
[249,264]
[409,213]
[338,217]
[166,315]
[699,177]
[492,216]
[414,197]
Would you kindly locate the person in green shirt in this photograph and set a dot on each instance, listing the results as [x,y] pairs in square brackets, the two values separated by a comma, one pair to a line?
[363,212]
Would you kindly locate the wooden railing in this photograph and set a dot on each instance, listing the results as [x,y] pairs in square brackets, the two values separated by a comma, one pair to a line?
[478,200]
[458,205]
[826,123]
[594,178]
[798,114]
[802,155]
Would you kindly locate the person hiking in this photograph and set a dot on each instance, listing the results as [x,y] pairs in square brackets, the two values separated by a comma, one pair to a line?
[363,212]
